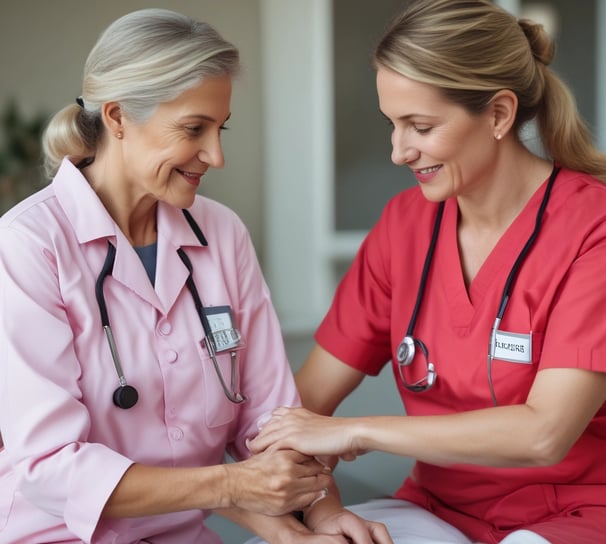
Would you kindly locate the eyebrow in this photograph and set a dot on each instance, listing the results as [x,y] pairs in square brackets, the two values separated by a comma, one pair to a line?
[207,118]
[408,116]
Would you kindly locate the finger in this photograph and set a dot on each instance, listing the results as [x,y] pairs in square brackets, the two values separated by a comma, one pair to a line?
[348,456]
[261,442]
[266,438]
[298,457]
[379,533]
[313,469]
[322,495]
[284,410]
[310,490]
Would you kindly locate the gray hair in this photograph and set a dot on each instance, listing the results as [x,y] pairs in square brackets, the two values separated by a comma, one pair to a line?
[141,60]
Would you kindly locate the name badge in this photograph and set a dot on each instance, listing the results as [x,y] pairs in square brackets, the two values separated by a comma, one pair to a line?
[225,333]
[512,347]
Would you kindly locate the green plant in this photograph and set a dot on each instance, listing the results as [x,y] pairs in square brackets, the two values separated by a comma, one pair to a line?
[20,155]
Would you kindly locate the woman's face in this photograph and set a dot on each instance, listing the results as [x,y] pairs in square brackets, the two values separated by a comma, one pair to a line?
[450,151]
[166,157]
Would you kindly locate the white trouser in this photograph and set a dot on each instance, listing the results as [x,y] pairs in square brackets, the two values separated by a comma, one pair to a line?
[410,524]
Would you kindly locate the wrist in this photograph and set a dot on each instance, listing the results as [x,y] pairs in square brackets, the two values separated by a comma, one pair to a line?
[227,497]
[323,509]
[288,531]
[359,435]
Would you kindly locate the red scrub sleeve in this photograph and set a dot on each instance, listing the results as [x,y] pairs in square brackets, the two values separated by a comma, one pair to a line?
[356,329]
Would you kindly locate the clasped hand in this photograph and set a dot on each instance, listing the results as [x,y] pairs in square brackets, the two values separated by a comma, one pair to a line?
[277,482]
[312,434]
[321,437]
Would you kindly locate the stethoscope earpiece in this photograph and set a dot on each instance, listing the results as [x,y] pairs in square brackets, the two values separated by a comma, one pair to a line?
[125,397]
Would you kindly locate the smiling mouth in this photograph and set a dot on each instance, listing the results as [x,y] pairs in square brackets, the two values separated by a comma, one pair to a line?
[192,176]
[429,170]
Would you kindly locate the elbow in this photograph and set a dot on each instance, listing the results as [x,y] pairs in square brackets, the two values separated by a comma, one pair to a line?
[548,449]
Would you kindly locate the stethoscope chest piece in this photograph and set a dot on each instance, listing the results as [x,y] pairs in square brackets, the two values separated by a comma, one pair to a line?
[406,351]
[125,397]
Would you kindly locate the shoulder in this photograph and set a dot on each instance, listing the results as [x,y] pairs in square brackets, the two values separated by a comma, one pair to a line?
[577,195]
[36,217]
[28,208]
[576,184]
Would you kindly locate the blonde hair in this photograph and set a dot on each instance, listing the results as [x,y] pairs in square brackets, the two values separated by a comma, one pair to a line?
[471,49]
[142,59]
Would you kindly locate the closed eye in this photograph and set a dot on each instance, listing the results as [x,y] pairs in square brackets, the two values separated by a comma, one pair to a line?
[422,129]
[194,130]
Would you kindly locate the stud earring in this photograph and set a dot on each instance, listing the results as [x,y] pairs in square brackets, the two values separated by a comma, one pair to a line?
[119,135]
[498,136]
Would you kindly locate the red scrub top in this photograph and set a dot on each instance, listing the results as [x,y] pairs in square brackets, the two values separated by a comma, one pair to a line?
[559,298]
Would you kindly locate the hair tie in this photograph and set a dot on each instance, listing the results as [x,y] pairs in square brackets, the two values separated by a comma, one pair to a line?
[80,101]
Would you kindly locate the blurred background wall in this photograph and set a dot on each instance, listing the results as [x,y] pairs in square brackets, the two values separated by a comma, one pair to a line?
[307,153]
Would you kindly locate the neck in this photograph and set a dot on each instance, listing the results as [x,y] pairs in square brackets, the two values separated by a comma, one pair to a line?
[499,200]
[485,215]
[134,215]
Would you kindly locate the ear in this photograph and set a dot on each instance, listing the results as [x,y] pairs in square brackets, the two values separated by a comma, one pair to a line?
[503,109]
[111,114]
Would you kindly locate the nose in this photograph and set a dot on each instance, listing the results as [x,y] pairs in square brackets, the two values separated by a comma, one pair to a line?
[402,152]
[211,151]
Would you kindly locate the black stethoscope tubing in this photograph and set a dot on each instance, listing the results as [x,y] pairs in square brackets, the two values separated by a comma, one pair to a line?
[406,347]
[126,396]
[209,341]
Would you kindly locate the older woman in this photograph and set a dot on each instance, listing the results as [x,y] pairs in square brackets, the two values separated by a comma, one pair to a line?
[139,343]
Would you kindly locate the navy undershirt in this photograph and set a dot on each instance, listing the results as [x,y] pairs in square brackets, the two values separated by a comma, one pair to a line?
[148,255]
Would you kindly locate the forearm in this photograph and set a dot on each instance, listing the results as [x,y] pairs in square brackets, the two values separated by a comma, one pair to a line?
[148,491]
[506,436]
[539,432]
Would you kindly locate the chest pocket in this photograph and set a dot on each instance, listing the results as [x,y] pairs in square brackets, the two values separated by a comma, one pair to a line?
[513,381]
[219,410]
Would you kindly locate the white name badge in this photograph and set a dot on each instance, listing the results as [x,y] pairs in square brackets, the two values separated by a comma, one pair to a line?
[225,333]
[512,347]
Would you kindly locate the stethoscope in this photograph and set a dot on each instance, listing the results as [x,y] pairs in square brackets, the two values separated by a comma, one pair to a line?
[407,347]
[126,396]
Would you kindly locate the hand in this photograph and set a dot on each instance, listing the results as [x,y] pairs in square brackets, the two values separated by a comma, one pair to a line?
[330,517]
[277,482]
[356,529]
[308,537]
[306,432]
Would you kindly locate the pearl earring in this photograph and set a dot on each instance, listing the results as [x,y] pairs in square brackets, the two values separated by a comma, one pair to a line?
[119,135]
[498,136]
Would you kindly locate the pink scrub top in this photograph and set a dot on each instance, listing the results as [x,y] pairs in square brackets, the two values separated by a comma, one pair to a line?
[66,444]
[559,298]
